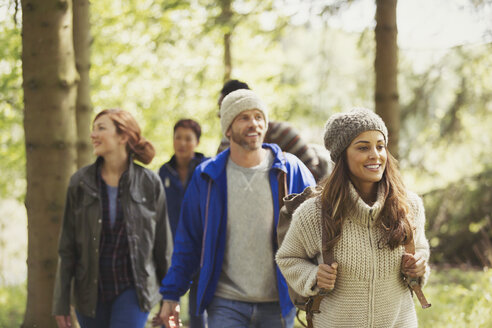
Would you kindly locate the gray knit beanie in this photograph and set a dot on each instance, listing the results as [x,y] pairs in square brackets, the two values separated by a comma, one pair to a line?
[342,128]
[236,102]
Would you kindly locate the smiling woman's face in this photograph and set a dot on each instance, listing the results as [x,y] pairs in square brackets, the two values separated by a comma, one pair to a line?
[104,137]
[366,158]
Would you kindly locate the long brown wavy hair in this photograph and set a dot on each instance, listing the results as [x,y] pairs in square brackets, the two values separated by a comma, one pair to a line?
[142,150]
[336,204]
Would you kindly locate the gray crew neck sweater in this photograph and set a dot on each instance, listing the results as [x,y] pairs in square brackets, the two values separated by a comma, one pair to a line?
[248,270]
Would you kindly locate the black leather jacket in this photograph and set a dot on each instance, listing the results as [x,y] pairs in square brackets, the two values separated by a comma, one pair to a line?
[149,237]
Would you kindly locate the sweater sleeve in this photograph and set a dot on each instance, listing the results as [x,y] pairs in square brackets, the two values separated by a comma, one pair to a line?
[297,255]
[421,243]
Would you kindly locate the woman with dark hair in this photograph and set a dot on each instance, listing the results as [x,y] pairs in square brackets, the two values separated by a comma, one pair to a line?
[175,175]
[369,217]
[115,243]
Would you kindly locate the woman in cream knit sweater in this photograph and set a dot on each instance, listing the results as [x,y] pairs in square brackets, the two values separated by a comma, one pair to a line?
[369,216]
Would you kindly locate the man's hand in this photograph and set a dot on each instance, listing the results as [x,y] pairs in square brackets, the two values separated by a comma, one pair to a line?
[168,315]
[63,321]
[327,275]
[413,266]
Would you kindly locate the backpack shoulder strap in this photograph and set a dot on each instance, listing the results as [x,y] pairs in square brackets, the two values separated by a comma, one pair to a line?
[328,255]
[328,258]
[413,283]
[410,247]
[314,302]
[282,187]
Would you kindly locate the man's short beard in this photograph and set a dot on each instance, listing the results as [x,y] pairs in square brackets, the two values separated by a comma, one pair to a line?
[241,141]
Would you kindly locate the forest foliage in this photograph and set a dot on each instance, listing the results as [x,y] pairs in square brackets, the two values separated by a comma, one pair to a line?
[163,60]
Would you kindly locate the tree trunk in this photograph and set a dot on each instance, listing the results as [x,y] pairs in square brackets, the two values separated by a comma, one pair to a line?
[225,18]
[386,68]
[227,57]
[49,83]
[82,44]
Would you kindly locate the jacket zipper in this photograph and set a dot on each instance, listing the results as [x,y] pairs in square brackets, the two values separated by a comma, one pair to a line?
[373,274]
[203,240]
[274,237]
[206,222]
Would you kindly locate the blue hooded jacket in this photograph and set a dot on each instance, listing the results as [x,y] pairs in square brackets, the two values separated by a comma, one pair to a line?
[201,236]
[175,189]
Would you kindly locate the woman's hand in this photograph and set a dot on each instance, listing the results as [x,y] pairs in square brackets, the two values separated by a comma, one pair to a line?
[327,275]
[63,321]
[168,315]
[413,266]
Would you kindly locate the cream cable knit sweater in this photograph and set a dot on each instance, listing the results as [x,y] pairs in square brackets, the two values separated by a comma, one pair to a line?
[369,290]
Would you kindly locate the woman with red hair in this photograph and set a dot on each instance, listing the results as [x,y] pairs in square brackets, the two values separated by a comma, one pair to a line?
[115,243]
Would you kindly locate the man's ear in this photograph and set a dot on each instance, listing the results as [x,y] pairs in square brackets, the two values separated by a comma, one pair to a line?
[228,133]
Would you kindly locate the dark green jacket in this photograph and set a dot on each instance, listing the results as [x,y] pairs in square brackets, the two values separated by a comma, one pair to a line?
[149,237]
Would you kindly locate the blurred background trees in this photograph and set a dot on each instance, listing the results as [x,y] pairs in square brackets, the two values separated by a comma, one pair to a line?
[165,60]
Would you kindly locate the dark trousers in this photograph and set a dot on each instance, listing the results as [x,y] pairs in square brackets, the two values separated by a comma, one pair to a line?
[122,312]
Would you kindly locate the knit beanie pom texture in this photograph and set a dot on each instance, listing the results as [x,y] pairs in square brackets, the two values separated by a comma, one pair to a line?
[342,128]
[236,102]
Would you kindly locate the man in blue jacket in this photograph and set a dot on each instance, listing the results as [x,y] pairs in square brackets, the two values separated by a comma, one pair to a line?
[227,228]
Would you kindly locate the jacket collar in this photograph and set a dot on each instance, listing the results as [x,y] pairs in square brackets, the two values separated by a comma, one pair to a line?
[171,164]
[217,164]
[90,178]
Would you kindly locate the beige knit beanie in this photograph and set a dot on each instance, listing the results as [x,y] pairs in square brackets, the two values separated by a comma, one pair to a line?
[342,128]
[237,102]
